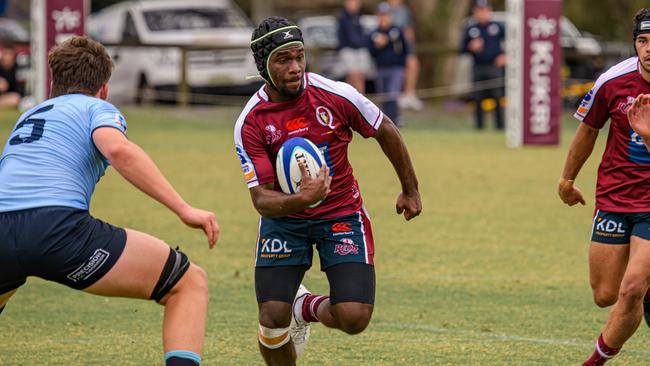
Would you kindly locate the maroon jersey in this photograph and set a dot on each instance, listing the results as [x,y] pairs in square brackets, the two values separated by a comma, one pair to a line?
[326,113]
[624,173]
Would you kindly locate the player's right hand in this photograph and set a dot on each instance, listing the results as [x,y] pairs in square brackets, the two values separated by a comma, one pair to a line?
[315,189]
[201,219]
[639,116]
[569,193]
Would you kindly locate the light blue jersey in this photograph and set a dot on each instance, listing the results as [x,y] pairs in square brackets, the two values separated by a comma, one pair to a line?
[50,158]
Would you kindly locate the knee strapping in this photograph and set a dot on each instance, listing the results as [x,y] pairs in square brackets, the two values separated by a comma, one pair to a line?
[175,267]
[273,338]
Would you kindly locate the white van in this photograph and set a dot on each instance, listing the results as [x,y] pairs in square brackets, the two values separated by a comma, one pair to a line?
[141,36]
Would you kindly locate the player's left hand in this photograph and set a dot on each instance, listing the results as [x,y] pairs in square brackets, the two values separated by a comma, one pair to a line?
[409,204]
[639,116]
[201,219]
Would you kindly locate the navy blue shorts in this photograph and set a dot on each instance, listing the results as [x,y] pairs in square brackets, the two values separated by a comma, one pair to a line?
[289,242]
[616,227]
[60,244]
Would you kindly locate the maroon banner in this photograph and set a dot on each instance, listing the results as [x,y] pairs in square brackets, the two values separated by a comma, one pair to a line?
[541,72]
[63,19]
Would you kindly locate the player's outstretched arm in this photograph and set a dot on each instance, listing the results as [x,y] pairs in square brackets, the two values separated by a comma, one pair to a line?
[639,117]
[270,203]
[580,150]
[138,168]
[391,142]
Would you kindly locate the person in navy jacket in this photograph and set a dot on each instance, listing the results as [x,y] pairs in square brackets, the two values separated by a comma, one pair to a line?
[483,39]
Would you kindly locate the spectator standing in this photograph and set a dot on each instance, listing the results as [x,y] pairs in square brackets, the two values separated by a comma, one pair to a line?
[9,96]
[353,51]
[403,19]
[389,49]
[483,39]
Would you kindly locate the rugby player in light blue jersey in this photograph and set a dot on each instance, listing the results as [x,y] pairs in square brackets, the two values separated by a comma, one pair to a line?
[48,172]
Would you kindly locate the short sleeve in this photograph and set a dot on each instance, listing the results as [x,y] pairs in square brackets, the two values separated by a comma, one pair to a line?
[594,108]
[104,114]
[363,115]
[249,145]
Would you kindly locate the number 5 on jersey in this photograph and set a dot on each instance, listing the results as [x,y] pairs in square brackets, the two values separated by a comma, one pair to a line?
[38,126]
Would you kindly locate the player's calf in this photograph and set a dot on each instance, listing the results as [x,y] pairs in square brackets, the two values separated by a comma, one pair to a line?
[646,307]
[181,285]
[633,290]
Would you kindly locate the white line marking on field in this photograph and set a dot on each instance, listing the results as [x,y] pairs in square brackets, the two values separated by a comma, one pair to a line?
[499,337]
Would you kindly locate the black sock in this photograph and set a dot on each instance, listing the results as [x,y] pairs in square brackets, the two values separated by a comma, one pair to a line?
[2,308]
[179,361]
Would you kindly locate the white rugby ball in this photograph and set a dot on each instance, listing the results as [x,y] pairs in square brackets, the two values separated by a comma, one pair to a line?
[293,151]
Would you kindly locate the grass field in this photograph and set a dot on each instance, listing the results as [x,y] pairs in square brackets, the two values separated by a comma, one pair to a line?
[494,272]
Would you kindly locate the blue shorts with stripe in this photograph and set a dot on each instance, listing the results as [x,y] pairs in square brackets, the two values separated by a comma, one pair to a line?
[617,227]
[60,244]
[289,242]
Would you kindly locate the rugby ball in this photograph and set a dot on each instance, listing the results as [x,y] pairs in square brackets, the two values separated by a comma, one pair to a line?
[293,151]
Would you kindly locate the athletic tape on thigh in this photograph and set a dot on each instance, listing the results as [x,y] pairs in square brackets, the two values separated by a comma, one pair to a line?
[273,338]
[175,267]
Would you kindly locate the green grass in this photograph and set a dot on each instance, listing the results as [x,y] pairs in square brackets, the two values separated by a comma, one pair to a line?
[494,272]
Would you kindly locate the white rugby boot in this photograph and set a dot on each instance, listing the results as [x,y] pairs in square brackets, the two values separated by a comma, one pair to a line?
[299,328]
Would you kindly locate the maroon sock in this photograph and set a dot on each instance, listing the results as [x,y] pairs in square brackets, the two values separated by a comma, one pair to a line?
[647,295]
[601,354]
[310,307]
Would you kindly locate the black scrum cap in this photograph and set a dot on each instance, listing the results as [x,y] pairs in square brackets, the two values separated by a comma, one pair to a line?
[271,35]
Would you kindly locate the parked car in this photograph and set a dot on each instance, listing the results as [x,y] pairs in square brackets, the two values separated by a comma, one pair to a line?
[145,37]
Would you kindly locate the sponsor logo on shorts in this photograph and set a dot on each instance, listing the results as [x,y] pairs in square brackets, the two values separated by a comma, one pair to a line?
[275,248]
[297,125]
[342,228]
[605,227]
[95,262]
[346,247]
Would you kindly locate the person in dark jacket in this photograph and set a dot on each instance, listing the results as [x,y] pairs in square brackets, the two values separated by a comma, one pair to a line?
[483,39]
[9,96]
[389,49]
[353,47]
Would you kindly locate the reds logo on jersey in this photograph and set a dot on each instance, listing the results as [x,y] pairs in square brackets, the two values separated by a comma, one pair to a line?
[273,135]
[624,107]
